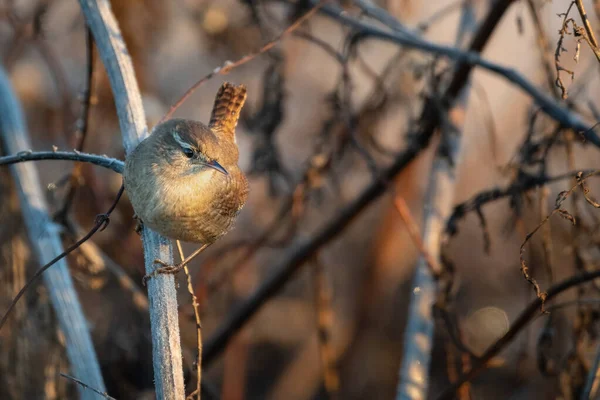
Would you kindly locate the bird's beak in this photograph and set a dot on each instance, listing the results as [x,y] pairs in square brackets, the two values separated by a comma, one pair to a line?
[216,166]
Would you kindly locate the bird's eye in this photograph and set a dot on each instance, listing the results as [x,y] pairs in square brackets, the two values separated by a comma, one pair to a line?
[189,153]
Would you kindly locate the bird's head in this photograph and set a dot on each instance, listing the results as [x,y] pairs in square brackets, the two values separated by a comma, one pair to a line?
[187,147]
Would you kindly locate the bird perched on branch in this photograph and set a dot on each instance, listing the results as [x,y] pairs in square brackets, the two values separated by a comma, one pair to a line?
[183,180]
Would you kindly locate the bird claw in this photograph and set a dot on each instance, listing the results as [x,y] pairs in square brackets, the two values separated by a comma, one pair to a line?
[165,269]
[139,225]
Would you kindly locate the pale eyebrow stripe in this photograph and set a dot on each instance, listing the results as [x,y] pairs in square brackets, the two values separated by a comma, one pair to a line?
[181,142]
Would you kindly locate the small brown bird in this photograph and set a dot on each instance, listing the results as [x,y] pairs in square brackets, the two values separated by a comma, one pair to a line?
[183,180]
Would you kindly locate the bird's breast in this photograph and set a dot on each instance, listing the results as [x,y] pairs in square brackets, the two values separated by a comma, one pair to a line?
[198,208]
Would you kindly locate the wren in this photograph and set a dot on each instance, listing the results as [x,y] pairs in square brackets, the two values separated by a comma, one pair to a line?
[184,182]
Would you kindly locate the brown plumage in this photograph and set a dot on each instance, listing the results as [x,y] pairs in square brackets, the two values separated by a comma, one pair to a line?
[227,108]
[183,180]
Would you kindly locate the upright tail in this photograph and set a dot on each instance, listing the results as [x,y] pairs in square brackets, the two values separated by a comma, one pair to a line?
[226,111]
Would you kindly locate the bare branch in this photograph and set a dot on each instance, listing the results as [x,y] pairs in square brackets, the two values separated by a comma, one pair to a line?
[86,386]
[166,346]
[28,155]
[305,251]
[472,58]
[522,321]
[45,241]
[228,66]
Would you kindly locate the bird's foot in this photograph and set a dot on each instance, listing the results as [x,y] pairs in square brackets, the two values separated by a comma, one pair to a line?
[139,224]
[165,269]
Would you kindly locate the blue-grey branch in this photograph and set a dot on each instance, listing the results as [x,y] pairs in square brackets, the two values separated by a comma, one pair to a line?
[46,244]
[164,317]
[28,155]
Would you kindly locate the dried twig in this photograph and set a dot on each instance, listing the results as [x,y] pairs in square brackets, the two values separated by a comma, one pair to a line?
[593,377]
[100,224]
[304,251]
[324,313]
[470,59]
[562,196]
[86,386]
[81,130]
[591,37]
[526,316]
[196,307]
[228,66]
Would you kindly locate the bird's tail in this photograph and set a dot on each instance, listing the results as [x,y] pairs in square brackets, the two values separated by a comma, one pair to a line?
[226,111]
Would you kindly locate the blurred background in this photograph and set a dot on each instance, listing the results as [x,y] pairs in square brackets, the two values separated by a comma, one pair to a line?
[326,110]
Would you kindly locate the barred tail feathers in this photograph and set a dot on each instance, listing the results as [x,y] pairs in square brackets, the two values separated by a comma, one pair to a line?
[226,111]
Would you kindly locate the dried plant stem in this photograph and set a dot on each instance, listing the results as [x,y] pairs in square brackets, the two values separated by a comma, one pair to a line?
[164,318]
[45,241]
[81,129]
[228,66]
[593,377]
[522,321]
[588,28]
[470,59]
[325,322]
[86,386]
[196,306]
[413,231]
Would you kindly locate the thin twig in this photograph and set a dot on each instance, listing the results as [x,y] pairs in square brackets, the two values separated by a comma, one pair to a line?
[102,161]
[228,66]
[414,232]
[100,224]
[196,307]
[470,59]
[526,316]
[81,130]
[592,378]
[476,202]
[324,314]
[86,386]
[586,23]
[562,196]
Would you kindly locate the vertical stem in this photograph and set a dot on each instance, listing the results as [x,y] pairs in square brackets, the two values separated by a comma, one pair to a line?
[166,346]
[45,241]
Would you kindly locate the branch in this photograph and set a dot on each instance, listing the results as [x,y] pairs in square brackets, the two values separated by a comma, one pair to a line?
[588,29]
[519,187]
[521,322]
[27,155]
[86,386]
[304,251]
[592,378]
[45,241]
[291,263]
[228,66]
[166,346]
[472,58]
[100,224]
[413,377]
